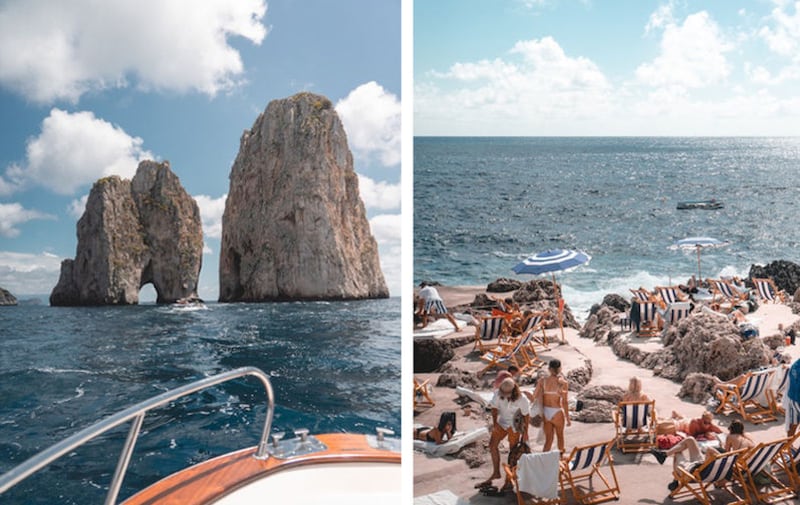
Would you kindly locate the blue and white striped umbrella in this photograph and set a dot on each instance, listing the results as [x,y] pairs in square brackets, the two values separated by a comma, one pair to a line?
[555,260]
[698,243]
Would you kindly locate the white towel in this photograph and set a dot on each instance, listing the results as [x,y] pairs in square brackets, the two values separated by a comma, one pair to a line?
[537,474]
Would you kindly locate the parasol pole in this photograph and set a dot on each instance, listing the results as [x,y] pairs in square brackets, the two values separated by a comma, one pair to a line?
[698,263]
[560,305]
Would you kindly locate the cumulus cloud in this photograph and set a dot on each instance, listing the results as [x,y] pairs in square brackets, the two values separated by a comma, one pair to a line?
[522,93]
[13,214]
[77,207]
[371,118]
[29,274]
[211,210]
[379,194]
[782,35]
[75,149]
[692,54]
[60,50]
[386,228]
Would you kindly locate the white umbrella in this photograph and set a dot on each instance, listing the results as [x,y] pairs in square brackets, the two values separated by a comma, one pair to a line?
[698,243]
[550,262]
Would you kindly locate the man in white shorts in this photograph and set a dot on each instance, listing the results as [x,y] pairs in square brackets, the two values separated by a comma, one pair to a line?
[433,304]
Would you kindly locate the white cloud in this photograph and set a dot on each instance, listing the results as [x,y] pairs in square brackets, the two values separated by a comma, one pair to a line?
[60,50]
[692,55]
[13,215]
[660,18]
[77,206]
[783,37]
[29,274]
[528,92]
[371,118]
[211,210]
[386,230]
[379,194]
[74,150]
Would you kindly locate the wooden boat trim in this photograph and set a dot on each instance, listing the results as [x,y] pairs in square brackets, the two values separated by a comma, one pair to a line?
[213,479]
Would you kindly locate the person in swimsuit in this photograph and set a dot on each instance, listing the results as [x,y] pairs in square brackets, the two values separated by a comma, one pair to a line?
[552,392]
[439,434]
[737,438]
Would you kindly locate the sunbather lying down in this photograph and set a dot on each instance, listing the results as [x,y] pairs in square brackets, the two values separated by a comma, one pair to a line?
[438,434]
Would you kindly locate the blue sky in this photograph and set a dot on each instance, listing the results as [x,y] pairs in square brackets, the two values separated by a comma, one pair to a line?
[88,89]
[591,67]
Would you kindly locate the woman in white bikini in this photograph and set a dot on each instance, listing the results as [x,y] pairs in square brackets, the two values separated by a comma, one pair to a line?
[552,392]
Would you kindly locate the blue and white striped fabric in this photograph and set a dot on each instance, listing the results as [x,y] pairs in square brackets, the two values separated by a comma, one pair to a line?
[491,328]
[647,312]
[726,289]
[635,415]
[783,380]
[533,322]
[677,311]
[719,469]
[754,385]
[589,456]
[640,294]
[435,304]
[668,294]
[761,458]
[792,409]
[765,290]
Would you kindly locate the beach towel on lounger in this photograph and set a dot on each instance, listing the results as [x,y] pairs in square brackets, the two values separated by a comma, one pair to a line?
[455,444]
[537,474]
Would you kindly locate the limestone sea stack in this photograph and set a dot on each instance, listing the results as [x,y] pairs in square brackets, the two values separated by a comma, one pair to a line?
[146,230]
[294,226]
[6,298]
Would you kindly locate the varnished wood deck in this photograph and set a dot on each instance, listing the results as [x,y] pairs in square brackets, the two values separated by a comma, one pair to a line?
[210,480]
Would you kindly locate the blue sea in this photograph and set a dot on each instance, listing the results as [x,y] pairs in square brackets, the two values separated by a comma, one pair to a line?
[481,205]
[335,367]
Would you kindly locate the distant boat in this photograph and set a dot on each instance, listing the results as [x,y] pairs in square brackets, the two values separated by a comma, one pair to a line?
[700,204]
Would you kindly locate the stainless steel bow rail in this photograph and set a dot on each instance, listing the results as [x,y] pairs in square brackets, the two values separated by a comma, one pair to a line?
[136,414]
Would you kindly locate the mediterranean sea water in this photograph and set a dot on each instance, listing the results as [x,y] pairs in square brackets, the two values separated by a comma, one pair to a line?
[481,205]
[335,367]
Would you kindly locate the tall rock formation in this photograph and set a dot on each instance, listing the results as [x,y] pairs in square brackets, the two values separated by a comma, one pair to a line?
[6,298]
[294,226]
[146,230]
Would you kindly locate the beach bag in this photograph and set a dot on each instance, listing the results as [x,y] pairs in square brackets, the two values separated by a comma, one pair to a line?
[665,442]
[517,451]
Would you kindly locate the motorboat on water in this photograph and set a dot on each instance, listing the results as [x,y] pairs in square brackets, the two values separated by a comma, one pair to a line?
[711,204]
[306,469]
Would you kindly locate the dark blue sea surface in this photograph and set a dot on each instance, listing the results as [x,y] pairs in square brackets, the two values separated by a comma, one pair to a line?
[335,367]
[483,204]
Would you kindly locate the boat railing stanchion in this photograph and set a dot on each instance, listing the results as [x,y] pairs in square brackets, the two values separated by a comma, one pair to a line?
[381,434]
[124,459]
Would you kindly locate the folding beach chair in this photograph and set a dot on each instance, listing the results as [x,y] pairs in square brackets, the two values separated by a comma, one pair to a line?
[675,312]
[583,464]
[713,471]
[768,291]
[642,295]
[635,423]
[780,379]
[648,318]
[670,295]
[534,325]
[422,396]
[760,460]
[489,329]
[790,462]
[724,291]
[743,398]
[537,479]
[511,353]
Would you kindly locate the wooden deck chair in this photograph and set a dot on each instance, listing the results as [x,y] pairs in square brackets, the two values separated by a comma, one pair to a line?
[780,380]
[669,295]
[760,460]
[768,291]
[787,465]
[422,396]
[713,471]
[535,325]
[642,295]
[583,464]
[546,466]
[675,312]
[490,329]
[743,398]
[648,318]
[723,290]
[635,423]
[507,354]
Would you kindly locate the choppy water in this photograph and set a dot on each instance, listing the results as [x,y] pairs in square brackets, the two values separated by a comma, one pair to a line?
[483,204]
[335,367]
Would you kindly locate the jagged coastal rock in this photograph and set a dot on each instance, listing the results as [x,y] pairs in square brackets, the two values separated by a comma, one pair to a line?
[6,298]
[294,226]
[146,230]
